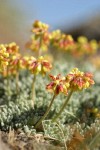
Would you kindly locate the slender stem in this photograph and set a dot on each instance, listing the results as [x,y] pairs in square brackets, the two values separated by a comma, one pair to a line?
[17,84]
[8,86]
[33,91]
[17,78]
[63,106]
[40,50]
[8,82]
[46,113]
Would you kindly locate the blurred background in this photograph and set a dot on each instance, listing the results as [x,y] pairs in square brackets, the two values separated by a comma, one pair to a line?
[75,17]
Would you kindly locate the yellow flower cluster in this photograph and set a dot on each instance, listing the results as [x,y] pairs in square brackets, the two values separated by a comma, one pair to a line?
[39,27]
[74,81]
[41,36]
[84,47]
[61,41]
[58,85]
[39,65]
[80,47]
[42,39]
[4,55]
[12,48]
[10,59]
[79,80]
[40,42]
[16,62]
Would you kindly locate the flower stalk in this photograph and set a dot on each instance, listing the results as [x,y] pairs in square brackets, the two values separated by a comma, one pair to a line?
[63,106]
[40,47]
[17,82]
[8,83]
[17,78]
[46,113]
[33,91]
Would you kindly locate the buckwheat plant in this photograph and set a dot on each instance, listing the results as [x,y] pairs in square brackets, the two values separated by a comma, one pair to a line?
[16,62]
[77,81]
[38,66]
[40,39]
[57,86]
[74,81]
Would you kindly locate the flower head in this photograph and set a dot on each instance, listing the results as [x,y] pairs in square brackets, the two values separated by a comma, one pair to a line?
[15,63]
[61,41]
[58,85]
[4,55]
[40,40]
[35,43]
[84,47]
[12,48]
[79,80]
[39,65]
[39,27]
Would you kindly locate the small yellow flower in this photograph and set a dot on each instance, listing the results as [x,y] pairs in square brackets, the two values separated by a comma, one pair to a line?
[39,65]
[4,55]
[82,39]
[39,27]
[55,35]
[61,41]
[79,80]
[37,43]
[14,64]
[84,47]
[12,48]
[40,40]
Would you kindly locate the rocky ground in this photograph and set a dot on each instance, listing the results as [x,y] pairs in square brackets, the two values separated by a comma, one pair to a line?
[20,141]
